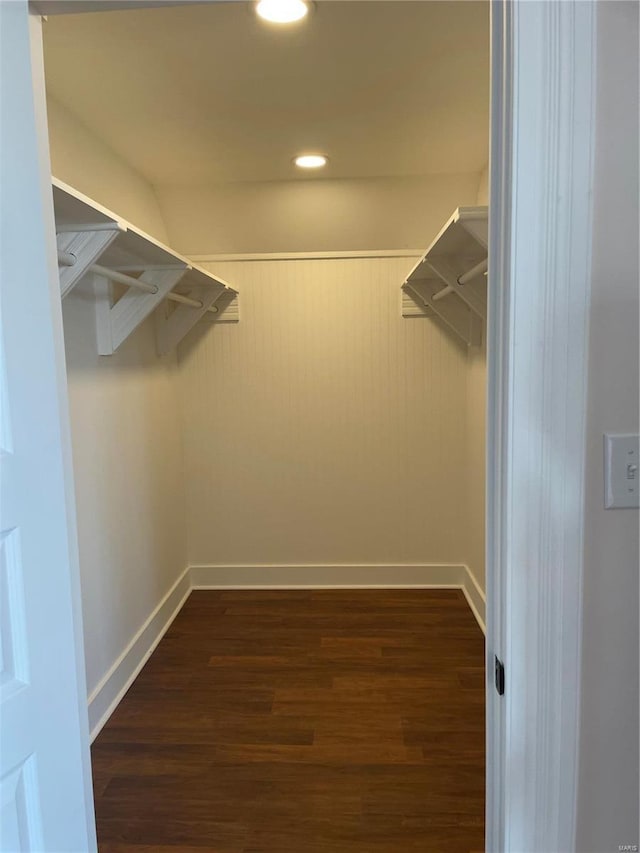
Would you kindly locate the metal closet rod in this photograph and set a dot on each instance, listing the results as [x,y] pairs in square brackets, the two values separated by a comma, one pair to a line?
[67,259]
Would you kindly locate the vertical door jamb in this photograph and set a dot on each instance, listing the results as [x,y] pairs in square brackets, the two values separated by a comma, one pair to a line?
[540,231]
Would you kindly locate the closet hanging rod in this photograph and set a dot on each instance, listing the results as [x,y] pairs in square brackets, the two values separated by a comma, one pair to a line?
[194,303]
[442,293]
[184,300]
[121,278]
[67,259]
[92,226]
[474,271]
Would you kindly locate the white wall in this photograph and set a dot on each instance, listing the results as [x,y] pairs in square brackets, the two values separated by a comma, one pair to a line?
[308,216]
[313,215]
[324,427]
[483,187]
[84,161]
[475,475]
[128,478]
[476,437]
[125,428]
[608,788]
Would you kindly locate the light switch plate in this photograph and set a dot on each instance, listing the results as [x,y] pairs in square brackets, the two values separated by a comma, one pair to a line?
[621,471]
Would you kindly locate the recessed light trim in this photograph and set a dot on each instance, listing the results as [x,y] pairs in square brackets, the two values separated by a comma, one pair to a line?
[282,11]
[311,161]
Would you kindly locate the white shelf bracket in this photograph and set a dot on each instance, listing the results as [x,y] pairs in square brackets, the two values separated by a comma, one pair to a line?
[115,322]
[478,226]
[228,305]
[476,301]
[85,246]
[450,277]
[411,305]
[172,327]
[453,313]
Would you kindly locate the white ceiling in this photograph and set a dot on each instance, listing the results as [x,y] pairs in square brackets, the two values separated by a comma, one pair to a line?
[210,93]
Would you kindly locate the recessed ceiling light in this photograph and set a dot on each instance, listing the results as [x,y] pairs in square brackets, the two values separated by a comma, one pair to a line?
[282,11]
[311,161]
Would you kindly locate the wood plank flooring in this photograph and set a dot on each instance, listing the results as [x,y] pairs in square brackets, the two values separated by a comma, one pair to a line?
[301,722]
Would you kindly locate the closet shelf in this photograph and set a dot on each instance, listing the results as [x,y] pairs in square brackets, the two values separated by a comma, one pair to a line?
[449,281]
[93,241]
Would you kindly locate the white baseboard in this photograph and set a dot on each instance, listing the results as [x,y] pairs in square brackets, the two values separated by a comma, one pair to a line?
[476,598]
[112,687]
[346,576]
[327,576]
[105,697]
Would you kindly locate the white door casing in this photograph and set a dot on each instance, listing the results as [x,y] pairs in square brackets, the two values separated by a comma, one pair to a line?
[497,372]
[45,779]
[543,126]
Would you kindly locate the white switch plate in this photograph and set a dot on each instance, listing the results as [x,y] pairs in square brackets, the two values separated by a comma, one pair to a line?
[621,471]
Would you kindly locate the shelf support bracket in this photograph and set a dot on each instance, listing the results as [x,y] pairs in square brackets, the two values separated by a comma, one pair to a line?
[453,313]
[411,305]
[444,270]
[115,322]
[228,308]
[85,246]
[171,328]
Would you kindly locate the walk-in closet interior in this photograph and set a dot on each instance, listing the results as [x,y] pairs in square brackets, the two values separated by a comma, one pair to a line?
[277,390]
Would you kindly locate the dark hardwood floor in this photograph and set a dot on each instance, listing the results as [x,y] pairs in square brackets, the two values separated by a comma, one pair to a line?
[301,722]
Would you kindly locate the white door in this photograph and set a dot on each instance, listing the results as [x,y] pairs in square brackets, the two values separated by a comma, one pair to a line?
[45,780]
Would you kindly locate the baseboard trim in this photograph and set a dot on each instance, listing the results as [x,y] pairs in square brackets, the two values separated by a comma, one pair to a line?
[328,576]
[106,696]
[476,598]
[346,576]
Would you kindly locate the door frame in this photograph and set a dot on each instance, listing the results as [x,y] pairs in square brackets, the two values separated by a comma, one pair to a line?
[540,227]
[542,132]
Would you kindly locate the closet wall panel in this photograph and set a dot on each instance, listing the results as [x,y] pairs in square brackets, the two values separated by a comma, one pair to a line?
[128,478]
[323,428]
